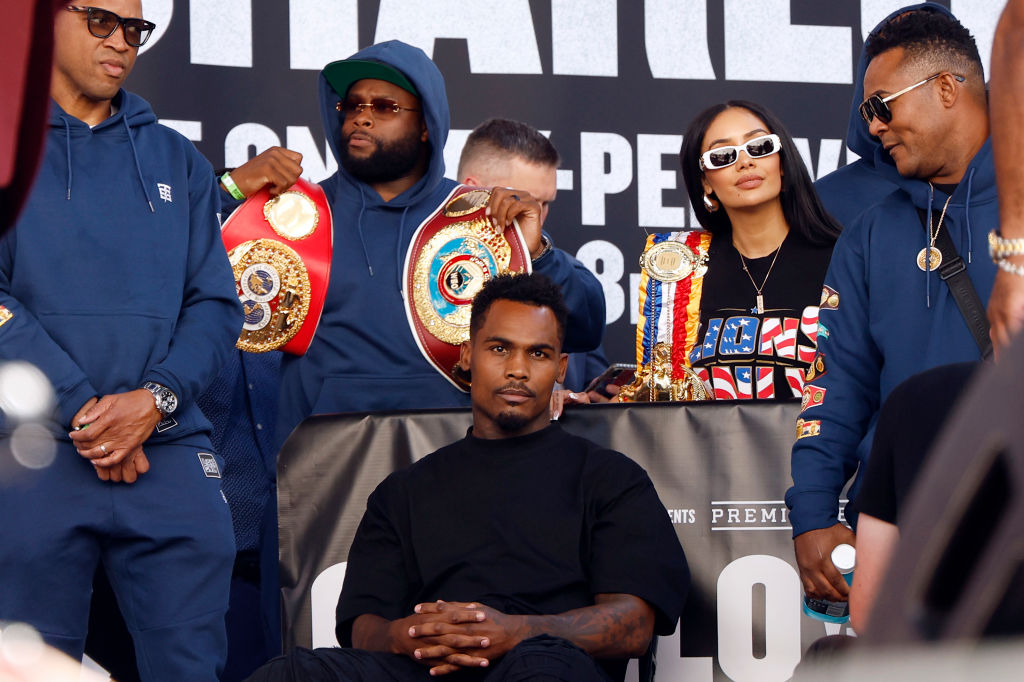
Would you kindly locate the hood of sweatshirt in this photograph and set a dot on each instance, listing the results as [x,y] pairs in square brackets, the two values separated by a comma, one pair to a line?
[423,74]
[133,112]
[857,136]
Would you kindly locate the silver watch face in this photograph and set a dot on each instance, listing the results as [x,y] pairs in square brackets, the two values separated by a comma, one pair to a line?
[166,401]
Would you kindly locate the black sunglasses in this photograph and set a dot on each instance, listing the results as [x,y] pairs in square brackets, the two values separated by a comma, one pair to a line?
[876,105]
[381,108]
[102,23]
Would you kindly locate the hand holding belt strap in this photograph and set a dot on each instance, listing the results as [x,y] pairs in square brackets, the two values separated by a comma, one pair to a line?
[953,272]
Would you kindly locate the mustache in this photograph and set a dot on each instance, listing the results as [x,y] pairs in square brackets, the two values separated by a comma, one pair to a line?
[516,387]
[363,135]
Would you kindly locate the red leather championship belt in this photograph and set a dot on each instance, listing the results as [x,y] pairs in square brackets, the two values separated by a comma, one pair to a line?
[280,251]
[452,254]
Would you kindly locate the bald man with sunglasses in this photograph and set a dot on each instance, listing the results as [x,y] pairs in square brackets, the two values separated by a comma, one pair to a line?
[889,309]
[115,284]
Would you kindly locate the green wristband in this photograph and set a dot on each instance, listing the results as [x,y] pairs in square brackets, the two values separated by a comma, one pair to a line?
[231,187]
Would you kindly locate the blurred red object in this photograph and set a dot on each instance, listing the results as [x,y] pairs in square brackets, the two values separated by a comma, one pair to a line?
[26,51]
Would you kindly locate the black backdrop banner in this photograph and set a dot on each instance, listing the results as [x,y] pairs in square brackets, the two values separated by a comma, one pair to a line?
[721,469]
[614,82]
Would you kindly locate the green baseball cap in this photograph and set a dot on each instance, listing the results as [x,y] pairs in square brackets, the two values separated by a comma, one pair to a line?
[342,74]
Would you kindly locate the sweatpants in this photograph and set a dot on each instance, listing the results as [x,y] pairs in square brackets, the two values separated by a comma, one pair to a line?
[165,542]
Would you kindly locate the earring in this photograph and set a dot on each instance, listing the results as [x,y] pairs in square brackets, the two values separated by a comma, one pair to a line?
[710,204]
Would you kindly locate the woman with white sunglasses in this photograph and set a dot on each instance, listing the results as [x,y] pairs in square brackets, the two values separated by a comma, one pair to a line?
[770,245]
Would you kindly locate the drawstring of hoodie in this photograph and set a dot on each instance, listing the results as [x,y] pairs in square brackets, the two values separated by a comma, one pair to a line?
[927,251]
[967,216]
[359,229]
[138,167]
[67,142]
[398,250]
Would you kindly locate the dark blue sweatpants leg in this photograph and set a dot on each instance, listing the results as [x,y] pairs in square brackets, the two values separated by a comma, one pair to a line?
[49,523]
[169,558]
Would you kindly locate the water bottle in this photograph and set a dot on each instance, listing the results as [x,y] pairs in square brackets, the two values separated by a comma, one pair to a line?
[843,558]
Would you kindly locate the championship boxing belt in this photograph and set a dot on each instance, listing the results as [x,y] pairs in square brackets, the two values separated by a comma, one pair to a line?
[673,266]
[452,254]
[280,251]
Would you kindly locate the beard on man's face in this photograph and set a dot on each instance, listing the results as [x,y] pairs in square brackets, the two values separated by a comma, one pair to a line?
[390,161]
[510,422]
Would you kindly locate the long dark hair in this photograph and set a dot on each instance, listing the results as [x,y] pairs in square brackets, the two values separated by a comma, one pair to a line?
[801,206]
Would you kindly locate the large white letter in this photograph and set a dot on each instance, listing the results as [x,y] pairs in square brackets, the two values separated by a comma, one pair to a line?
[596,151]
[323,598]
[193,130]
[213,43]
[243,136]
[652,179]
[314,167]
[605,260]
[761,45]
[981,19]
[828,156]
[585,38]
[736,618]
[160,13]
[322,31]
[676,38]
[498,33]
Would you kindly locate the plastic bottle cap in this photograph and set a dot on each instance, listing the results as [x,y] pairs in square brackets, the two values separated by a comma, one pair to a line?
[844,557]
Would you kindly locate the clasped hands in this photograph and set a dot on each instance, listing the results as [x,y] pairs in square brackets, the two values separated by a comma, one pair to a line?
[110,431]
[449,635]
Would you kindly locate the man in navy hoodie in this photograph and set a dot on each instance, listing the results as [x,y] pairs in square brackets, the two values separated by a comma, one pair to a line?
[846,192]
[884,314]
[390,178]
[115,284]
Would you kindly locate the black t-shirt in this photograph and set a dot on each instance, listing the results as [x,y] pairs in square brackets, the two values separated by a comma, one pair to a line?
[536,524]
[745,355]
[908,423]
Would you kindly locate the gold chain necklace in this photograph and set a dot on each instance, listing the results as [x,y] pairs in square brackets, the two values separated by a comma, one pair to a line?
[759,308]
[930,258]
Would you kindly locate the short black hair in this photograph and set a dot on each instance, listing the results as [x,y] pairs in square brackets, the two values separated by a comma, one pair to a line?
[503,137]
[931,37]
[530,288]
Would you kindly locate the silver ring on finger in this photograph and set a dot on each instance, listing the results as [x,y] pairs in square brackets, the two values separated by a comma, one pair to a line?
[103,448]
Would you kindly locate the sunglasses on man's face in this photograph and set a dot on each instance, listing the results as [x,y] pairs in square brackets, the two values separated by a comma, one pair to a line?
[380,107]
[876,105]
[102,23]
[722,157]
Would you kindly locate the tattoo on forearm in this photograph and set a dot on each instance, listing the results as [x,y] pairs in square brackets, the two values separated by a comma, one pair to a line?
[617,626]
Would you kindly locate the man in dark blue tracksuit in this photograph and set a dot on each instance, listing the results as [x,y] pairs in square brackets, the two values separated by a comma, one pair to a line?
[115,284]
[885,315]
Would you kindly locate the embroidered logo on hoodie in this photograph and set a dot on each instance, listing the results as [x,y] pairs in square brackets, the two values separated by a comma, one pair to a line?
[165,191]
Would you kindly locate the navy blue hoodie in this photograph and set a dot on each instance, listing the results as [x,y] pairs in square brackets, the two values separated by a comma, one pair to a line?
[115,273]
[890,320]
[847,191]
[364,356]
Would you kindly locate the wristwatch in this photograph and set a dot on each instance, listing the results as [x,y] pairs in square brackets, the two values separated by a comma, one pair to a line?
[166,401]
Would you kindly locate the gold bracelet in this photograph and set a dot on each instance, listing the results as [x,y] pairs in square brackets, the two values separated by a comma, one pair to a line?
[1000,247]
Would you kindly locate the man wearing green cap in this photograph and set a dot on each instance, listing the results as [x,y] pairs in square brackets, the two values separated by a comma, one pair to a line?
[385,112]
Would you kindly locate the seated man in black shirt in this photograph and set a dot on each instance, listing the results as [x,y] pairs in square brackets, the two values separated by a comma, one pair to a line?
[519,552]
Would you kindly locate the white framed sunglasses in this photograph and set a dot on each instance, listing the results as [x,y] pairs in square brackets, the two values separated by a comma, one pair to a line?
[722,157]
